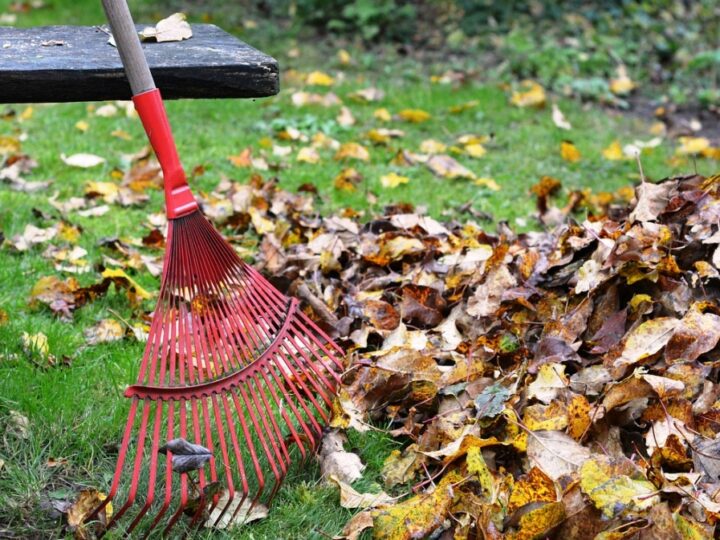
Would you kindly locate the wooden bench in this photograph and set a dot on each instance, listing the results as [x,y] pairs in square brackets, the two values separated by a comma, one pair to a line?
[76,63]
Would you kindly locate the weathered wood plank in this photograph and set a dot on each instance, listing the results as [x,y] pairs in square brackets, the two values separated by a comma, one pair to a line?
[76,63]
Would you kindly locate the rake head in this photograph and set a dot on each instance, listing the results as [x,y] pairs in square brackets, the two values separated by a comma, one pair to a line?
[231,365]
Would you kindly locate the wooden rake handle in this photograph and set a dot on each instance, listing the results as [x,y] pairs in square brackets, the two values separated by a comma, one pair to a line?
[128,45]
[179,201]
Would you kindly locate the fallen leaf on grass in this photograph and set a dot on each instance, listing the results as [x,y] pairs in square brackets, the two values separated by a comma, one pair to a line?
[692,146]
[415,116]
[349,498]
[569,152]
[238,511]
[622,84]
[36,343]
[345,117]
[18,424]
[393,180]
[32,236]
[559,119]
[318,78]
[347,180]
[87,501]
[106,111]
[173,28]
[308,155]
[382,114]
[83,161]
[352,150]
[335,461]
[614,152]
[444,166]
[368,95]
[135,291]
[531,94]
[104,331]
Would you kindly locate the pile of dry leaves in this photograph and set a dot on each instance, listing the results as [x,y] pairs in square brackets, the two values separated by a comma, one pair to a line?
[559,383]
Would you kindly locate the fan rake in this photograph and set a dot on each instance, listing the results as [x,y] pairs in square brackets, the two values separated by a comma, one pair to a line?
[233,374]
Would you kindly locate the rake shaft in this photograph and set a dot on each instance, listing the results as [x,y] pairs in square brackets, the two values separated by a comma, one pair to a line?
[230,364]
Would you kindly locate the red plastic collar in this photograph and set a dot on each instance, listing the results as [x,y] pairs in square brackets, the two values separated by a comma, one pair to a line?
[179,200]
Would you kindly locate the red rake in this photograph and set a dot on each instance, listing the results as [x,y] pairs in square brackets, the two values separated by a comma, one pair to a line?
[230,364]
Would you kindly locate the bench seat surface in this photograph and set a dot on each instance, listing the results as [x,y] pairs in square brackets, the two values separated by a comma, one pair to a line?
[76,63]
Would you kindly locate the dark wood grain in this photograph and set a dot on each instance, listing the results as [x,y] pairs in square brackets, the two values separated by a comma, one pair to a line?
[76,63]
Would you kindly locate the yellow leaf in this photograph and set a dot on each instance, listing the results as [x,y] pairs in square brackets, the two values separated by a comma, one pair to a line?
[538,522]
[415,116]
[476,465]
[569,152]
[711,153]
[27,113]
[472,139]
[615,486]
[36,343]
[308,155]
[346,180]
[104,331]
[614,152]
[380,136]
[262,224]
[9,144]
[530,95]
[489,183]
[457,109]
[382,114]
[69,233]
[318,78]
[549,381]
[535,486]
[88,500]
[117,273]
[475,150]
[82,125]
[393,180]
[551,417]
[431,146]
[121,134]
[399,467]
[418,516]
[352,150]
[691,146]
[579,418]
[622,84]
[344,57]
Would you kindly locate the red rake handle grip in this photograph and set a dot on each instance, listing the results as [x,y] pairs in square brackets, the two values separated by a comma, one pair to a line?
[179,200]
[216,386]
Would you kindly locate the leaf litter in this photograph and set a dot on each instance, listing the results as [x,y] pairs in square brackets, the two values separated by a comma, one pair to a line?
[504,370]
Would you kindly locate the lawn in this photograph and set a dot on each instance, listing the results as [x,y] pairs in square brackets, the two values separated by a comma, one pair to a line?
[74,404]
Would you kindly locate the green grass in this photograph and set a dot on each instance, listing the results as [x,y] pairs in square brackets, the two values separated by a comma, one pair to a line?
[77,411]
